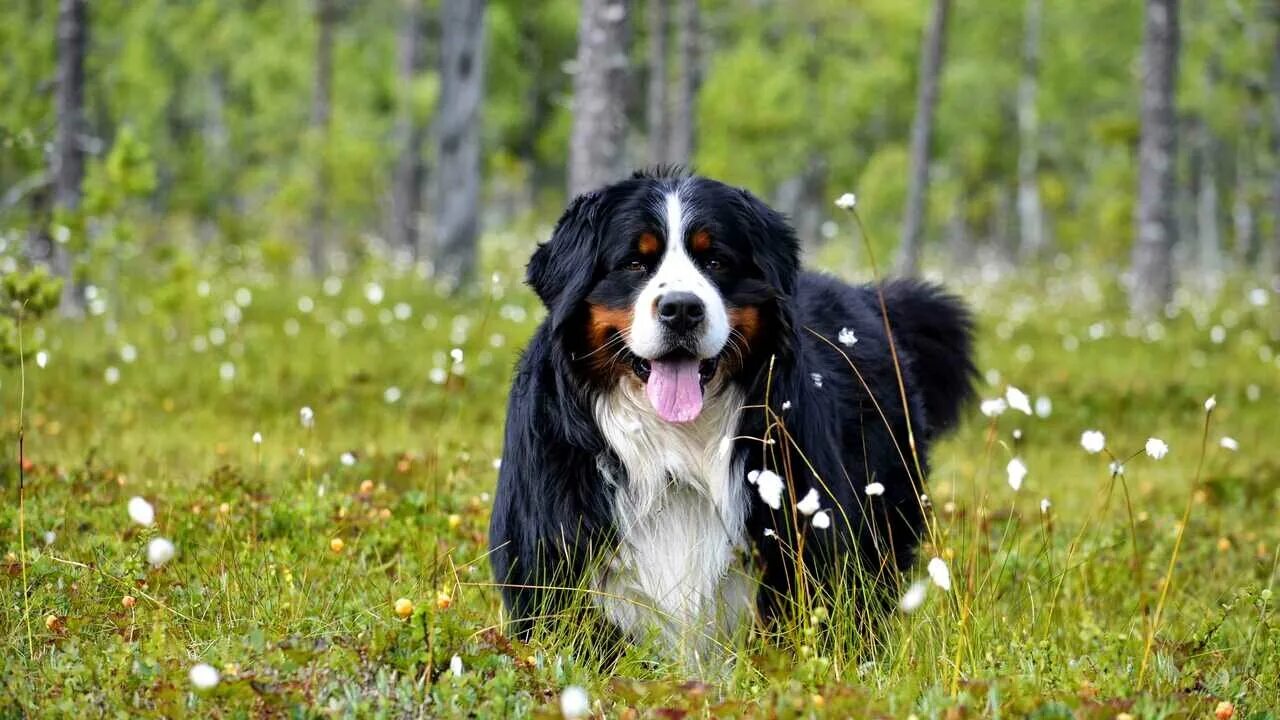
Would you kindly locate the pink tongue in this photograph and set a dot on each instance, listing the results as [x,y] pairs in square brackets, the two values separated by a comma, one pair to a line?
[675,389]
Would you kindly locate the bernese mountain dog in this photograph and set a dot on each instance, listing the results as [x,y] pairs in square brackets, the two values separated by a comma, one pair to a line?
[699,426]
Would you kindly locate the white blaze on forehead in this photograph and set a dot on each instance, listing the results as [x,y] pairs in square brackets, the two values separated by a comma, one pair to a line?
[677,272]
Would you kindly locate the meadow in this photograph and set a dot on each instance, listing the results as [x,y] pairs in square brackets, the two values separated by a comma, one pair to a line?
[322,456]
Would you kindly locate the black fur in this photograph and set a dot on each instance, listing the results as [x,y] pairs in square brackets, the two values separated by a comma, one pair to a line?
[552,516]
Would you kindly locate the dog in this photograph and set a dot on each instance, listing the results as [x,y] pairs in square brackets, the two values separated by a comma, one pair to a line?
[698,424]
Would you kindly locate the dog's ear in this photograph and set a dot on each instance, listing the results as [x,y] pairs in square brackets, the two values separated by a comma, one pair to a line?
[561,269]
[773,243]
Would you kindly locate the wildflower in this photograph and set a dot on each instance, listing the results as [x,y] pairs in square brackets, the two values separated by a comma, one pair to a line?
[111,375]
[438,375]
[1017,400]
[1211,403]
[816,378]
[574,703]
[847,201]
[770,532]
[913,598]
[846,337]
[994,407]
[1044,506]
[822,519]
[128,601]
[455,666]
[203,676]
[874,489]
[391,395]
[769,485]
[1116,468]
[404,607]
[786,405]
[443,599]
[456,355]
[1229,443]
[42,359]
[336,544]
[141,511]
[455,521]
[307,416]
[1017,471]
[128,353]
[159,552]
[939,573]
[1157,448]
[49,537]
[1093,441]
[808,505]
[257,438]
[1044,407]
[348,459]
[227,371]
[373,293]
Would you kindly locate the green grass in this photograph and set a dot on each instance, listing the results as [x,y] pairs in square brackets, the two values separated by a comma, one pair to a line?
[1049,614]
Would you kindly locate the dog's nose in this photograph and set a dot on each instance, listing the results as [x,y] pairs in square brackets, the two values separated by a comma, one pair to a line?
[681,311]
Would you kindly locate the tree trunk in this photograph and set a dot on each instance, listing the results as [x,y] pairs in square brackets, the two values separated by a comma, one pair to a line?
[411,134]
[67,161]
[657,110]
[1275,143]
[1030,210]
[596,155]
[321,105]
[1209,242]
[1152,272]
[684,125]
[457,131]
[931,59]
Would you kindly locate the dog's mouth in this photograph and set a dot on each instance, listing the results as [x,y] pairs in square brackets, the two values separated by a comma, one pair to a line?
[675,383]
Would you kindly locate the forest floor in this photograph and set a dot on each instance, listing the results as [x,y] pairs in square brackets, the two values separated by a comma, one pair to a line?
[292,552]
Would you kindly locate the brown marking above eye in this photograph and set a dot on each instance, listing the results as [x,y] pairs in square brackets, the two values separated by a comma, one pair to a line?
[648,244]
[700,242]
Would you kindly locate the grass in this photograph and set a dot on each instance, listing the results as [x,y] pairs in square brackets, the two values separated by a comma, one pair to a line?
[1148,593]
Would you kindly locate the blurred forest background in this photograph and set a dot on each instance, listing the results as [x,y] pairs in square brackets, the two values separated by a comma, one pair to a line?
[309,134]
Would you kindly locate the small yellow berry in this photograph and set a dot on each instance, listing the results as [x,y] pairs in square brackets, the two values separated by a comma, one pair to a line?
[404,608]
[443,599]
[1224,544]
[454,521]
[336,544]
[128,601]
[224,508]
[51,621]
[366,487]
[384,513]
[1225,710]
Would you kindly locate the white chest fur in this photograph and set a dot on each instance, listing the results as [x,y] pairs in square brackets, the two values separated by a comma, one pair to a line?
[680,516]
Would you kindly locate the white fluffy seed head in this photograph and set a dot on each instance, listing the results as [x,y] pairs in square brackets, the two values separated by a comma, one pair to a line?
[203,676]
[141,512]
[940,573]
[159,551]
[574,703]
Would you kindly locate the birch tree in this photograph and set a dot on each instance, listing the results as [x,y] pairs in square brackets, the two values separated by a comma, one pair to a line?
[596,140]
[931,58]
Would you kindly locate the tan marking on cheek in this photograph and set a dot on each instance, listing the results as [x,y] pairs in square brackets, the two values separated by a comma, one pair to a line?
[604,321]
[700,242]
[648,244]
[746,320]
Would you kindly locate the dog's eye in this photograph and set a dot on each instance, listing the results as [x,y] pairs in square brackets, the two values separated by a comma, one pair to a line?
[636,266]
[712,264]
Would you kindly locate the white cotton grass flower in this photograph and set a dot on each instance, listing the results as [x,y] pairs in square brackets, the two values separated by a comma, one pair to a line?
[574,703]
[159,551]
[786,405]
[822,519]
[874,489]
[770,533]
[1017,471]
[111,375]
[141,512]
[227,371]
[1211,403]
[847,201]
[1093,441]
[1017,400]
[203,676]
[257,438]
[913,598]
[1044,407]
[994,407]
[348,459]
[42,359]
[847,337]
[940,573]
[809,504]
[391,395]
[1229,443]
[816,378]
[1045,505]
[1116,468]
[455,666]
[1156,448]
[49,537]
[769,485]
[307,416]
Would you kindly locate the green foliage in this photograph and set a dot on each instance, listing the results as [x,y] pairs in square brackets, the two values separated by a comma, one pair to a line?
[25,297]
